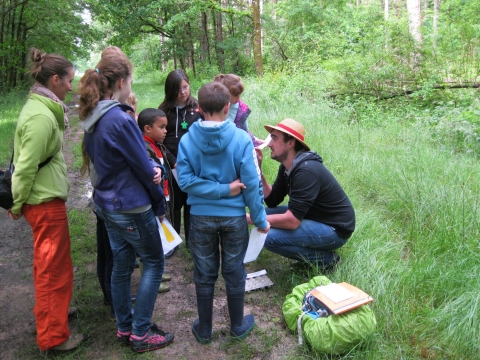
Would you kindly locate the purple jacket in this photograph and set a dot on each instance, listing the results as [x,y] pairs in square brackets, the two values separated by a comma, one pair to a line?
[241,119]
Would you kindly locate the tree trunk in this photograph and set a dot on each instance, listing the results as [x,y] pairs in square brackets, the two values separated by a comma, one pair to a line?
[257,38]
[219,50]
[386,9]
[415,19]
[204,44]
[191,50]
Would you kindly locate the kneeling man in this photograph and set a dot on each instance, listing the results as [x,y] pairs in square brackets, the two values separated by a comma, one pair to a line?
[319,217]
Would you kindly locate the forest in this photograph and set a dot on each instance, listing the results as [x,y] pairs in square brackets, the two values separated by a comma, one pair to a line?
[388,91]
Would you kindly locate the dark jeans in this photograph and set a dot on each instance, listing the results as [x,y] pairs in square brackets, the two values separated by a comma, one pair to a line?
[130,234]
[311,242]
[211,236]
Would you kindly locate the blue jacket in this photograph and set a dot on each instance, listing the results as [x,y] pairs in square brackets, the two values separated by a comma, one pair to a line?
[209,159]
[115,145]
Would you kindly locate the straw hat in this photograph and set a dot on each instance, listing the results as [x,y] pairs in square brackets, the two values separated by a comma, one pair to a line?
[292,128]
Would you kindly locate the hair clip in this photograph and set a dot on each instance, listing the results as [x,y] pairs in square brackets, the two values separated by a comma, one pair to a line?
[98,71]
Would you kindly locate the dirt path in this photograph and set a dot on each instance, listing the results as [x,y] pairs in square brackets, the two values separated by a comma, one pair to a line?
[175,311]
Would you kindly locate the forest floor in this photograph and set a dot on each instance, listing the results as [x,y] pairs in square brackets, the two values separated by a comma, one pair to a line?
[174,311]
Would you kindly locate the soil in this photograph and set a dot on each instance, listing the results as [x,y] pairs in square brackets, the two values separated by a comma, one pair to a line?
[174,311]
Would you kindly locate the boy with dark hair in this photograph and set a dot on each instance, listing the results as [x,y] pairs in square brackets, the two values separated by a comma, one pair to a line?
[218,169]
[153,125]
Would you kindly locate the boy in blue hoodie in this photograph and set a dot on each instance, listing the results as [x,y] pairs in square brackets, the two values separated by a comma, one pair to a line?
[217,167]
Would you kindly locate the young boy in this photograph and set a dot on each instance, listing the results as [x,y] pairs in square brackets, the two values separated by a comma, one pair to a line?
[153,125]
[217,167]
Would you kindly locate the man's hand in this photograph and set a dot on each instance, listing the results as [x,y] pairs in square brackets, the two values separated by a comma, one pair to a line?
[264,231]
[158,175]
[161,218]
[14,216]
[236,187]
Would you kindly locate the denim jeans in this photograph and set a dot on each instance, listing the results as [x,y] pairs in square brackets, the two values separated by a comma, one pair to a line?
[311,242]
[130,233]
[210,235]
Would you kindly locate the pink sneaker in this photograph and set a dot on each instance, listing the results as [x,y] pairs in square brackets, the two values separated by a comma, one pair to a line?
[153,339]
[123,337]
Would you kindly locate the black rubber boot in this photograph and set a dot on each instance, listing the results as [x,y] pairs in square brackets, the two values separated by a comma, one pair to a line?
[240,326]
[202,327]
[177,220]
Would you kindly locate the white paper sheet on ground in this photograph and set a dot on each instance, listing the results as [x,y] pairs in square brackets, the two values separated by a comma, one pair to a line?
[255,245]
[266,142]
[169,236]
[174,173]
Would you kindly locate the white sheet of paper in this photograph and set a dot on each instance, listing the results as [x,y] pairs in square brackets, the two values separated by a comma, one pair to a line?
[174,173]
[255,245]
[169,236]
[335,292]
[264,145]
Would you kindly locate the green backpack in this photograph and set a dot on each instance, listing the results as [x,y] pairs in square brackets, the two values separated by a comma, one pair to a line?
[335,334]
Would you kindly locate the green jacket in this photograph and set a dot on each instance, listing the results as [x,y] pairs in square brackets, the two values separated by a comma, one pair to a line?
[39,135]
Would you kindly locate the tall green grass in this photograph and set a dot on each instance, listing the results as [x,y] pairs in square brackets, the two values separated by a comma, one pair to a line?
[415,249]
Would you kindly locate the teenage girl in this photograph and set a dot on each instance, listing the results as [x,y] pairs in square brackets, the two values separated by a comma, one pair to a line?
[239,111]
[125,196]
[181,109]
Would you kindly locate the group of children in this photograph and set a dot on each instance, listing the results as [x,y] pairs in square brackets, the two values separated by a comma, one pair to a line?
[208,144]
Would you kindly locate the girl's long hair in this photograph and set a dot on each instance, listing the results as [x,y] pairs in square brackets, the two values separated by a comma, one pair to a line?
[96,84]
[172,86]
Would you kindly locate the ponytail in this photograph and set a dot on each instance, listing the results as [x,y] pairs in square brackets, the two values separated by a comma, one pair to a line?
[96,84]
[44,66]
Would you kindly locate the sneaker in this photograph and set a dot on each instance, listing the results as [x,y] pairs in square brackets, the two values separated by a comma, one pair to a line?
[123,337]
[153,339]
[71,343]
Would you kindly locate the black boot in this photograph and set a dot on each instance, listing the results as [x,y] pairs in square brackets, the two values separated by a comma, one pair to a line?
[177,220]
[202,327]
[240,326]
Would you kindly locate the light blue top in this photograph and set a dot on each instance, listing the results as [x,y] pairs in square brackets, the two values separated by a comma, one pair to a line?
[232,112]
[209,159]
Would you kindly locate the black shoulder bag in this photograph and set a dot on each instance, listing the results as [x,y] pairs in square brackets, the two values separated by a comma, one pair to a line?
[6,196]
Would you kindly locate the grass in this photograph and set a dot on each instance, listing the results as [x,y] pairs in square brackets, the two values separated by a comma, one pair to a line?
[415,248]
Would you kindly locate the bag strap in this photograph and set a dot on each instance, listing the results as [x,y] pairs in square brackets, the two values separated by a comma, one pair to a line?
[43,163]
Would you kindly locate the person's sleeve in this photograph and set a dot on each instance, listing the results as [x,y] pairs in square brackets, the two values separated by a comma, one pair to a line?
[253,193]
[304,192]
[279,189]
[192,184]
[132,148]
[35,135]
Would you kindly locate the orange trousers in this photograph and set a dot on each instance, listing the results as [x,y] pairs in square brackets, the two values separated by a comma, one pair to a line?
[52,271]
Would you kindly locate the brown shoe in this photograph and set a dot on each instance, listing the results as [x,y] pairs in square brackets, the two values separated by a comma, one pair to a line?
[71,343]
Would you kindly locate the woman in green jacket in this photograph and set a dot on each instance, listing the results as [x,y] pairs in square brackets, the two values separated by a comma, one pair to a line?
[40,186]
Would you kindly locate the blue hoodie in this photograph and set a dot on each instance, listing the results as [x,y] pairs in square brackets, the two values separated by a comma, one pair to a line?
[209,159]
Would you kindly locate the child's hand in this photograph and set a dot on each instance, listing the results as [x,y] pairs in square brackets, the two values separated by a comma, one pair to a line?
[264,231]
[249,220]
[158,175]
[236,187]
